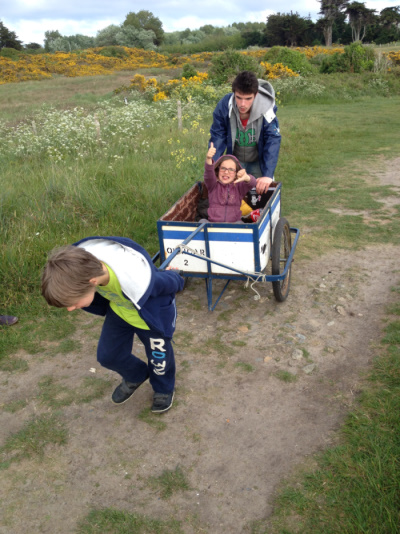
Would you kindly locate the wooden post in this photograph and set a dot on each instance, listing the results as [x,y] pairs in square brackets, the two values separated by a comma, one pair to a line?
[179,115]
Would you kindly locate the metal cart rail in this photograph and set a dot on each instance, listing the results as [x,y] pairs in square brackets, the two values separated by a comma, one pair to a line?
[229,251]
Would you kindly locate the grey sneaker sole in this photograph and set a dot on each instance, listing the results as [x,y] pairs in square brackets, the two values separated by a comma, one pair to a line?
[164,409]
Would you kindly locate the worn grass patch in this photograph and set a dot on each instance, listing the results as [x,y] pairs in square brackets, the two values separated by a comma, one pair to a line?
[31,441]
[152,419]
[170,482]
[56,395]
[110,521]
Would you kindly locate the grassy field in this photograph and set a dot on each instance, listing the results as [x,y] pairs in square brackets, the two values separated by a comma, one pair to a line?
[114,169]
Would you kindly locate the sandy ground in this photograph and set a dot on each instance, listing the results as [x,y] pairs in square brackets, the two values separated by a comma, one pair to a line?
[236,429]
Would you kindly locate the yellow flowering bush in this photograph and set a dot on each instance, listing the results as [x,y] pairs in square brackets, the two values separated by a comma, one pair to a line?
[311,51]
[272,72]
[393,56]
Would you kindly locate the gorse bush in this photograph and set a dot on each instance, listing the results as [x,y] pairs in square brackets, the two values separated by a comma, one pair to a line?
[225,66]
[356,58]
[293,59]
[188,71]
[114,51]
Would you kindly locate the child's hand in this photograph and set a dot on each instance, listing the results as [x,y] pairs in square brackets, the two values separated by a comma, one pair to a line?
[242,176]
[210,154]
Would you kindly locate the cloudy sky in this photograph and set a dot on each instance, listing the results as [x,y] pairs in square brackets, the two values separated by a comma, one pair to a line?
[29,19]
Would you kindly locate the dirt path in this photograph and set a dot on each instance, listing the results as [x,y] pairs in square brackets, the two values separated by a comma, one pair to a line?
[237,427]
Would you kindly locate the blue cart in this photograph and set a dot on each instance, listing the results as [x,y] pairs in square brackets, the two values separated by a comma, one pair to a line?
[226,250]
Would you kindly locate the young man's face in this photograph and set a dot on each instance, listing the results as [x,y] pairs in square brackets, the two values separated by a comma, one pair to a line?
[227,171]
[244,102]
[83,302]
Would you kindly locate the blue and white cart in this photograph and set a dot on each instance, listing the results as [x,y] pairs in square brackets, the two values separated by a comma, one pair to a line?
[226,250]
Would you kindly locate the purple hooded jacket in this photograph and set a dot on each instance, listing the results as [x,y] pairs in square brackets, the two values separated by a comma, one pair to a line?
[225,199]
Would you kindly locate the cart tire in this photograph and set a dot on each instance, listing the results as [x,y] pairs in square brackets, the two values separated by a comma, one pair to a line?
[280,251]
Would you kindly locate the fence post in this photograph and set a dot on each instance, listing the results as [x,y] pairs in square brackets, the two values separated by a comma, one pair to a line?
[179,115]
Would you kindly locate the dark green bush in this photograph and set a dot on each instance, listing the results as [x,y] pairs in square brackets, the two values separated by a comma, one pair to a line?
[226,66]
[356,58]
[188,71]
[293,59]
[10,53]
[113,51]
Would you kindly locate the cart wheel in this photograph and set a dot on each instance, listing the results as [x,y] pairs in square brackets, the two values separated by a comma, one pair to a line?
[280,252]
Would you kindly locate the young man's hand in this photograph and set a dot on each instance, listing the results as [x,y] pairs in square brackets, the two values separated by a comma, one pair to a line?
[263,184]
[242,176]
[210,154]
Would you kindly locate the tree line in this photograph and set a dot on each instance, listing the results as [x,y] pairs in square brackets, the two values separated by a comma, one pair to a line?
[341,22]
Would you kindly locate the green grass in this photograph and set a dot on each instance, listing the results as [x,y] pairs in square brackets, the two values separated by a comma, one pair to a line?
[152,420]
[169,482]
[110,521]
[285,376]
[355,486]
[243,366]
[31,441]
[56,395]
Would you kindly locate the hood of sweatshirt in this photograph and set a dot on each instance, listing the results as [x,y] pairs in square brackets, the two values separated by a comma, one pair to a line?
[223,158]
[124,261]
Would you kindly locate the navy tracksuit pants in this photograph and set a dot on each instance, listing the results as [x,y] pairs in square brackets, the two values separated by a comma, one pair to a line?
[114,350]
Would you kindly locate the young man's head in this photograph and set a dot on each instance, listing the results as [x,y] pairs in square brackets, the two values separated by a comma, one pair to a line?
[69,278]
[245,88]
[226,169]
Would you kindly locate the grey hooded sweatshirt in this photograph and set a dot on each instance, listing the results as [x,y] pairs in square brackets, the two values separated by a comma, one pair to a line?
[245,138]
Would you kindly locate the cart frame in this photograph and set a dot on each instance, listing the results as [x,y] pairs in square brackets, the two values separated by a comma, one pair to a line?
[210,232]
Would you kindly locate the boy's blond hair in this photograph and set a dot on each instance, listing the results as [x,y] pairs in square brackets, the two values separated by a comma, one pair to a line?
[67,274]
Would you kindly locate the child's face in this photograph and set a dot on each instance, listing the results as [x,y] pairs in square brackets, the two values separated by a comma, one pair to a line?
[83,302]
[227,171]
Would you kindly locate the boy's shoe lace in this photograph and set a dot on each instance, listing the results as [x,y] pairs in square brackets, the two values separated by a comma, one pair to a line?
[162,402]
[125,390]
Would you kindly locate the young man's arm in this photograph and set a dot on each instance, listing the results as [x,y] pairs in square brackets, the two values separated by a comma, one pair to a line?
[220,129]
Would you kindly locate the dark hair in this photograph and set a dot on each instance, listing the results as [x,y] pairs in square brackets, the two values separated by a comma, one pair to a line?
[67,274]
[246,82]
[224,158]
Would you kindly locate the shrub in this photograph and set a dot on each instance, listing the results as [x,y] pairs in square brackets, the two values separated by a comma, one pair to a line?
[113,51]
[293,59]
[188,71]
[11,53]
[228,64]
[356,58]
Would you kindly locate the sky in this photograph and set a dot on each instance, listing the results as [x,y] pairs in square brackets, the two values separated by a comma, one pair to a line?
[29,19]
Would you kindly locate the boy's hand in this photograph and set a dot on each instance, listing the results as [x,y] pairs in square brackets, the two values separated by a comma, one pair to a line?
[242,176]
[210,154]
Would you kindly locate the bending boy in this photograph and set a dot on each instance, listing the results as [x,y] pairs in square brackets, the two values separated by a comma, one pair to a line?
[115,277]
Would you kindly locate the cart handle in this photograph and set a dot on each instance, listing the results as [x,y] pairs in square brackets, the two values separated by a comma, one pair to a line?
[185,242]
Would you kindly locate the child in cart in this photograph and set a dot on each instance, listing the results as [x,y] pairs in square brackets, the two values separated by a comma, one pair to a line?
[227,184]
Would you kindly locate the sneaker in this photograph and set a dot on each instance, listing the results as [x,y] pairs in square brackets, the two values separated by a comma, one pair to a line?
[124,391]
[162,402]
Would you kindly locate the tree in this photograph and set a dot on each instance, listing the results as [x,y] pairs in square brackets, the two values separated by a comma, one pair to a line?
[107,36]
[131,37]
[49,37]
[390,16]
[145,20]
[33,46]
[8,39]
[286,29]
[330,9]
[359,18]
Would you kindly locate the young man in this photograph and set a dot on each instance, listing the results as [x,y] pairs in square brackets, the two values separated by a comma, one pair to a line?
[245,126]
[115,277]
